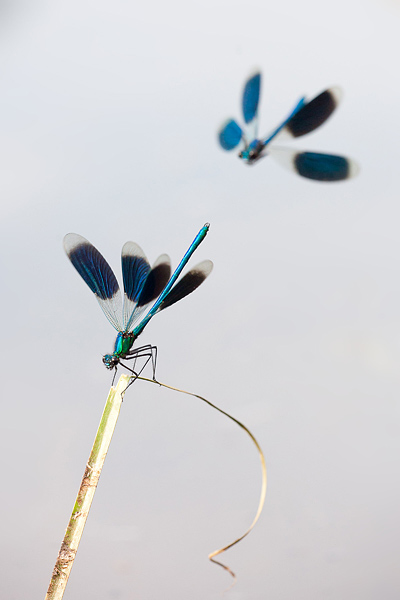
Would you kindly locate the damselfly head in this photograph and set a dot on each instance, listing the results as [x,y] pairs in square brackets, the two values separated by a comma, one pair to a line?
[253,152]
[110,361]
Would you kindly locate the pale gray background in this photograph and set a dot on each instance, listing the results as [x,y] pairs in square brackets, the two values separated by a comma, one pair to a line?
[108,115]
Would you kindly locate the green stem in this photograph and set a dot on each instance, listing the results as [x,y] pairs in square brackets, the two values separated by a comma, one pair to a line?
[86,492]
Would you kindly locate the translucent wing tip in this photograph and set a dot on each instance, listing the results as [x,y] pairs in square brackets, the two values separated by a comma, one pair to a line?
[354,167]
[205,267]
[163,258]
[337,94]
[132,249]
[72,241]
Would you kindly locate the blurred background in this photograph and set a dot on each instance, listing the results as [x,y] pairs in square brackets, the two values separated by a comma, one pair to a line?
[108,120]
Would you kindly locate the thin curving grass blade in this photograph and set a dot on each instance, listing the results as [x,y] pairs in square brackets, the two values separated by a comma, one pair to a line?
[212,555]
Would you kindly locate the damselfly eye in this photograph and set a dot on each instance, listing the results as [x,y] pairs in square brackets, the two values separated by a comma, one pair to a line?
[110,361]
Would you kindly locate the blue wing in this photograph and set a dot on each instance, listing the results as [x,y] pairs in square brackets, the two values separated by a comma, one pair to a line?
[315,165]
[251,97]
[313,114]
[142,284]
[324,167]
[187,284]
[230,135]
[97,273]
[156,280]
[135,268]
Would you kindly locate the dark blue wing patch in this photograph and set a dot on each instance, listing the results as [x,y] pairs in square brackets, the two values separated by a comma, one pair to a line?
[322,167]
[188,283]
[94,269]
[155,282]
[251,97]
[230,135]
[135,269]
[314,113]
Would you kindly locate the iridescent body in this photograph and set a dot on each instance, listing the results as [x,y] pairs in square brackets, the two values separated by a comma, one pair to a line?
[122,346]
[253,152]
[304,118]
[147,290]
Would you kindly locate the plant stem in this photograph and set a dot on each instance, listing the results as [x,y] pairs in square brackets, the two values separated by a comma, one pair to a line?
[86,492]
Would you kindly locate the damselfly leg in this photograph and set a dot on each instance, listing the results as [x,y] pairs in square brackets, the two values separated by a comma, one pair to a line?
[147,352]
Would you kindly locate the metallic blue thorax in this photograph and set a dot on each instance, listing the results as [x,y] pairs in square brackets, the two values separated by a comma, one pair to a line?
[122,346]
[123,343]
[253,152]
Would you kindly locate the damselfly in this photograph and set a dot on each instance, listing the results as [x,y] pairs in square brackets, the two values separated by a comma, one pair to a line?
[147,290]
[304,118]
